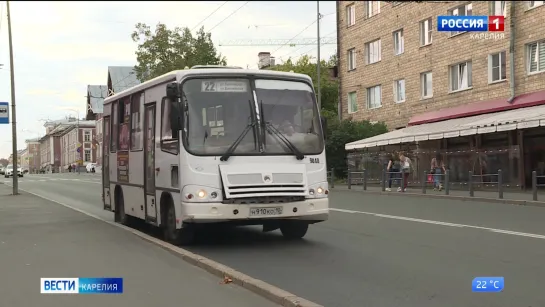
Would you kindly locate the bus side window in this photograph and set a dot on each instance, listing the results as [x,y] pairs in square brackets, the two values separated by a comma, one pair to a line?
[114,123]
[169,143]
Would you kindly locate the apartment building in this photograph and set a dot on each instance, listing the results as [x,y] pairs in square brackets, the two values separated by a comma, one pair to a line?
[395,67]
[50,144]
[76,143]
[394,64]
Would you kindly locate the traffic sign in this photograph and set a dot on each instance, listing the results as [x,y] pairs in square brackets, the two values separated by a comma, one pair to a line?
[4,112]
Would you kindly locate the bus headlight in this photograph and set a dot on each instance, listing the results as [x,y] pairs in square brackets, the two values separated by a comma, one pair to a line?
[201,194]
[194,193]
[318,190]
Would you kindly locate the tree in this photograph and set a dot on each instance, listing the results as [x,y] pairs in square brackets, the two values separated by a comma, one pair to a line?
[329,88]
[166,50]
[346,131]
[4,162]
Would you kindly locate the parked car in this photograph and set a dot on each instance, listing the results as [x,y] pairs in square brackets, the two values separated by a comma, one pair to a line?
[2,170]
[91,167]
[11,172]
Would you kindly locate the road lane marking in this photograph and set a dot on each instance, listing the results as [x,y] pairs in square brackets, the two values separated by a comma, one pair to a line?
[410,219]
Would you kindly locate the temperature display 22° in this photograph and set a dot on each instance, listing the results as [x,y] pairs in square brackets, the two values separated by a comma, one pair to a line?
[487,284]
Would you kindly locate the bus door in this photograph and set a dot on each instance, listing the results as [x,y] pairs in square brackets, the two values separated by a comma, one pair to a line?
[149,163]
[106,164]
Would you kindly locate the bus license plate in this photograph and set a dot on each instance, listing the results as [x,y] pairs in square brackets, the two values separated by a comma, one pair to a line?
[265,211]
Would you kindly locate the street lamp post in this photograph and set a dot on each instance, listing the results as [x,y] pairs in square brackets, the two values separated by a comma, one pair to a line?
[13,117]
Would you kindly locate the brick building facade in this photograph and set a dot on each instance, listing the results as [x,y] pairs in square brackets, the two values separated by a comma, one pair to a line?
[395,64]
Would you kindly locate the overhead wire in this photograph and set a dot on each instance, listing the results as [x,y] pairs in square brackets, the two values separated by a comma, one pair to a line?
[219,23]
[294,51]
[205,18]
[308,26]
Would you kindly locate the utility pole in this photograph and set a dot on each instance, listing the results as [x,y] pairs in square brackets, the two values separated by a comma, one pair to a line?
[318,75]
[13,117]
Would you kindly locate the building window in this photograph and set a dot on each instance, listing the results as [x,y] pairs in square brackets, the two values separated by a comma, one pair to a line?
[399,91]
[532,4]
[497,8]
[463,10]
[426,86]
[399,42]
[351,59]
[460,76]
[169,140]
[372,8]
[372,52]
[374,97]
[87,136]
[425,32]
[351,15]
[87,157]
[136,121]
[352,102]
[536,57]
[496,67]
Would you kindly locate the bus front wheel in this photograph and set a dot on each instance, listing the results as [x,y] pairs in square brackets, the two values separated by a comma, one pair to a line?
[182,236]
[293,230]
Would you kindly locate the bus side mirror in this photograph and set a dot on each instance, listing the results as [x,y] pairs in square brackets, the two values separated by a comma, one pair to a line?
[175,115]
[172,91]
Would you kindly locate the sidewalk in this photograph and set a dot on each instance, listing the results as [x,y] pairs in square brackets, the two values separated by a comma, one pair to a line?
[39,238]
[512,197]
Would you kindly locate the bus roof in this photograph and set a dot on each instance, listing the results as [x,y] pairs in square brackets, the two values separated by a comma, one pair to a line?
[179,74]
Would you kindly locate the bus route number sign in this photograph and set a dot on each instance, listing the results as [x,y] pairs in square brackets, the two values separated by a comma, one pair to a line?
[223,86]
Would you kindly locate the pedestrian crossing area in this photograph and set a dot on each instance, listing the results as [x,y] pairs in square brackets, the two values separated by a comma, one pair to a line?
[41,179]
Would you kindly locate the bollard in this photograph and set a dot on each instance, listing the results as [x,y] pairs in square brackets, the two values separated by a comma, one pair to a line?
[534,185]
[470,184]
[447,184]
[364,179]
[500,184]
[332,177]
[383,180]
[402,180]
[424,182]
[349,179]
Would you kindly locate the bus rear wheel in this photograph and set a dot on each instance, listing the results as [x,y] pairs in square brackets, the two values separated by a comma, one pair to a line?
[293,230]
[120,216]
[183,236]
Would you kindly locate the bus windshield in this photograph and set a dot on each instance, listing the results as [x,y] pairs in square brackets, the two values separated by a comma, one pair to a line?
[289,107]
[219,110]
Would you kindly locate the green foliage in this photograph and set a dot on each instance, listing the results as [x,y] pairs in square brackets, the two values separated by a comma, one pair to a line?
[346,131]
[166,50]
[329,87]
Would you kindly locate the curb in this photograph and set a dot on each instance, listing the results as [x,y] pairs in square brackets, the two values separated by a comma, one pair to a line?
[259,287]
[530,203]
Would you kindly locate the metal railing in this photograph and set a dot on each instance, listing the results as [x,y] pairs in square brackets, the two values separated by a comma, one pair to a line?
[535,185]
[361,177]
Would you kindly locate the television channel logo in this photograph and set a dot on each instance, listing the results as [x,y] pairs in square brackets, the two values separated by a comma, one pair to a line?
[82,285]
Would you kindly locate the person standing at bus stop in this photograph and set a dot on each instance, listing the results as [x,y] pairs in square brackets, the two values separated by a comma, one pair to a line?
[437,169]
[406,165]
[392,169]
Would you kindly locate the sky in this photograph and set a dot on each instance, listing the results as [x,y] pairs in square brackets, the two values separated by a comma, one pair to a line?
[61,47]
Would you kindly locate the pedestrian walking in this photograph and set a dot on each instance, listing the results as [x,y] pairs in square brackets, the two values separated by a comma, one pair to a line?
[392,169]
[437,169]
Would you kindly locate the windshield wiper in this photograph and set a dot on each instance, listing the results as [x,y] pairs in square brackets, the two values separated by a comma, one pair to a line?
[235,144]
[282,137]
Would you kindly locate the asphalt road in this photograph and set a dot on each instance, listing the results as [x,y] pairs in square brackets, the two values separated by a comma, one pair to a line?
[376,250]
[39,238]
